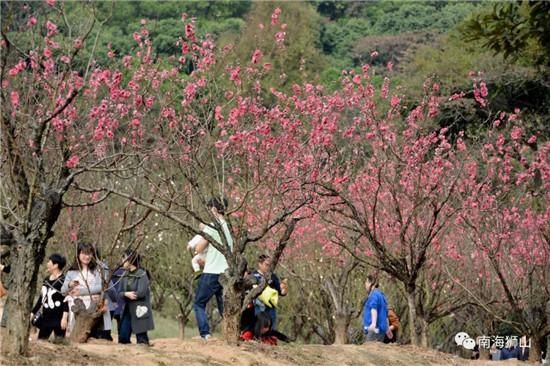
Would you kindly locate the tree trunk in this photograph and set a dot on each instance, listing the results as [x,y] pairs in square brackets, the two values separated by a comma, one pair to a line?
[231,313]
[25,262]
[341,325]
[535,350]
[412,318]
[182,322]
[484,353]
[424,336]
[85,320]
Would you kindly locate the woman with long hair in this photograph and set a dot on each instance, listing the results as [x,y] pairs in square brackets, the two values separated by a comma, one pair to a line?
[84,280]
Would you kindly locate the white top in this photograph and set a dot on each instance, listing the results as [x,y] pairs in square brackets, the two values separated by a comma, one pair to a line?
[215,262]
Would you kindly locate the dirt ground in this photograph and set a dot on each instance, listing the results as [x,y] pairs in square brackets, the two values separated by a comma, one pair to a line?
[175,352]
[169,351]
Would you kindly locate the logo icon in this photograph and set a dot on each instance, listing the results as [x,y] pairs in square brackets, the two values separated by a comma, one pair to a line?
[464,340]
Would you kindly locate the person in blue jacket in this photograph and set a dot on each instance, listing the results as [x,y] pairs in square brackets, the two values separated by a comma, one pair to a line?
[375,312]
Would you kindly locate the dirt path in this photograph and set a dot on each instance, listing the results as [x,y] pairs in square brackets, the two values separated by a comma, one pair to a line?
[168,352]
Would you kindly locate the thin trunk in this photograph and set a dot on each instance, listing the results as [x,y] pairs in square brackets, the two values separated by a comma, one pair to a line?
[26,259]
[85,320]
[424,327]
[484,353]
[182,322]
[412,318]
[535,350]
[341,325]
[231,313]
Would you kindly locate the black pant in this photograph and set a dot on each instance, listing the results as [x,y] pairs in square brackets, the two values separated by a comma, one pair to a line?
[44,332]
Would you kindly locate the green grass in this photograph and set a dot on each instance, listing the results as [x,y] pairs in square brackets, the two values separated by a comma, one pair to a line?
[165,328]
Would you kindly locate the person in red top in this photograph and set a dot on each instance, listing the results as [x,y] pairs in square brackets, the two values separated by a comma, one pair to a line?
[261,332]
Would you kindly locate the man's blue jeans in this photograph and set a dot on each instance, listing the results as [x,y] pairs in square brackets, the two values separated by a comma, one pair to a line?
[209,285]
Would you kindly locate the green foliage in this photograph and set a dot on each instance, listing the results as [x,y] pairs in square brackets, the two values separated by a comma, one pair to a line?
[338,38]
[513,29]
[299,59]
[511,86]
[163,20]
[389,47]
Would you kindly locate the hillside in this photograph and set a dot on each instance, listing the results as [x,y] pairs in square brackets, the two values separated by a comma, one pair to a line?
[195,352]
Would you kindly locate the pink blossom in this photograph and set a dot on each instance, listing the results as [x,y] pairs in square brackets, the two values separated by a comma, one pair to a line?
[65,59]
[50,2]
[385,88]
[516,133]
[137,36]
[190,31]
[135,122]
[275,16]
[280,37]
[532,139]
[234,75]
[14,97]
[283,26]
[267,67]
[185,49]
[49,65]
[47,52]
[218,114]
[433,105]
[390,66]
[256,56]
[32,21]
[77,43]
[201,83]
[457,96]
[483,89]
[394,102]
[17,68]
[478,95]
[374,54]
[52,28]
[73,162]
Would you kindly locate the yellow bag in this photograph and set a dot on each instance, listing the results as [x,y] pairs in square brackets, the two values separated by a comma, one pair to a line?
[269,296]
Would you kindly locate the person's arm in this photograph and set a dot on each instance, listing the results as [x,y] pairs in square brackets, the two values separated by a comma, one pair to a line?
[64,320]
[374,318]
[201,244]
[122,287]
[277,285]
[68,278]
